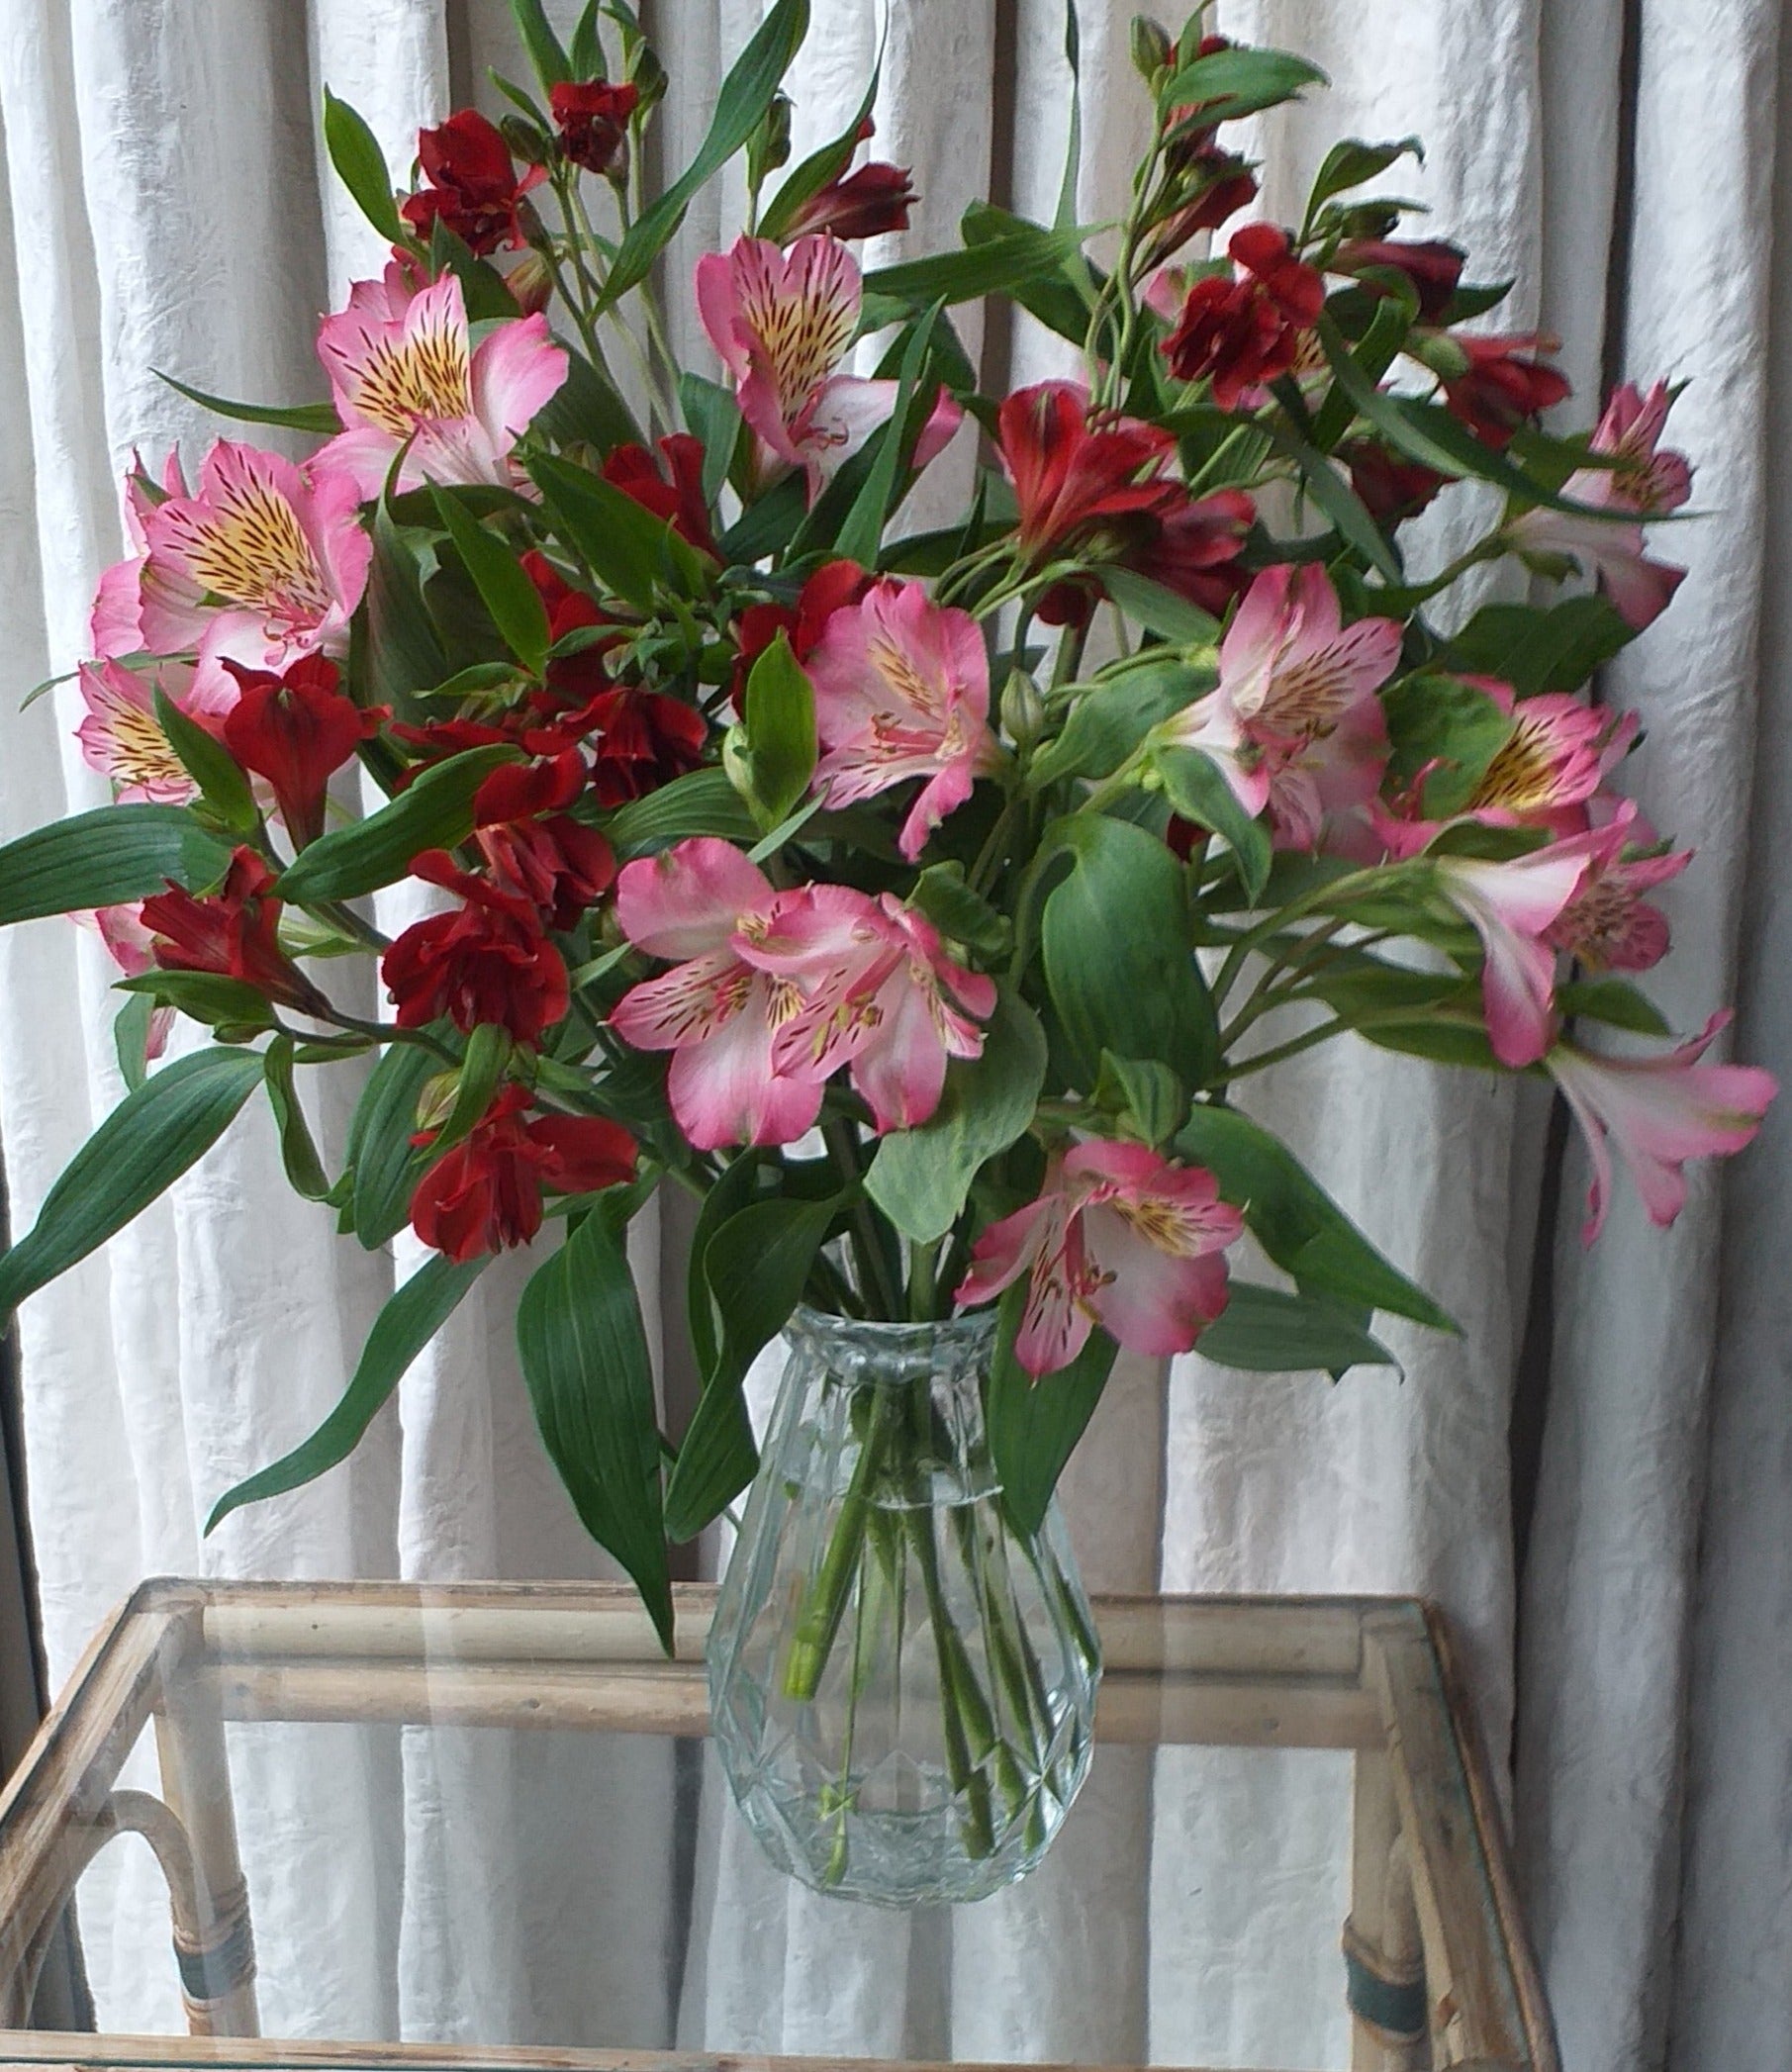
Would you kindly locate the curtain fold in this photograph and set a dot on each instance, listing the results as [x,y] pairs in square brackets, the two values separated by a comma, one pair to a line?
[167,206]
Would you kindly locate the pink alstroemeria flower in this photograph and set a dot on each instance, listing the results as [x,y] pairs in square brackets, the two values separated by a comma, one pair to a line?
[403,372]
[1659,1111]
[701,904]
[116,622]
[266,563]
[132,948]
[1644,483]
[879,995]
[1120,1238]
[1608,924]
[1512,906]
[781,323]
[122,736]
[902,691]
[1295,723]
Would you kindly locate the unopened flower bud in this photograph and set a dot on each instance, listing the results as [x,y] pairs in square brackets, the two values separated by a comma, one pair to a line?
[435,1103]
[1151,47]
[770,145]
[737,761]
[648,77]
[526,138]
[1022,709]
[532,282]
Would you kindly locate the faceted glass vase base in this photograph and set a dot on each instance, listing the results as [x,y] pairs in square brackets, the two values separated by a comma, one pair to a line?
[903,1689]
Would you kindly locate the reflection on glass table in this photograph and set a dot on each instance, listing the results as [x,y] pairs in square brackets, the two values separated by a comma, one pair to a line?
[483,1825]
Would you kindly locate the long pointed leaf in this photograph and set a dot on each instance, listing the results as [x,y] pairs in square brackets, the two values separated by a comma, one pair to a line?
[105,858]
[410,1320]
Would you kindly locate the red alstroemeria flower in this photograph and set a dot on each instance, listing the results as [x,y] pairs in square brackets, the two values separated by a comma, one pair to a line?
[1244,332]
[1222,184]
[641,739]
[488,961]
[1433,267]
[473,187]
[533,847]
[1504,384]
[868,203]
[1389,488]
[833,586]
[1073,476]
[671,486]
[485,1194]
[591,117]
[234,932]
[296,731]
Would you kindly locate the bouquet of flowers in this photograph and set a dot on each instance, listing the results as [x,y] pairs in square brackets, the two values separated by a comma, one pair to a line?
[917,899]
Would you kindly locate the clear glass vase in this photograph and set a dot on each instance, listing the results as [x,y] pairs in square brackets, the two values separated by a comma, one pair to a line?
[902,1688]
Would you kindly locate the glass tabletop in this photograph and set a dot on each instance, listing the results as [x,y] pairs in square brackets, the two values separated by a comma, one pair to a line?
[489,1820]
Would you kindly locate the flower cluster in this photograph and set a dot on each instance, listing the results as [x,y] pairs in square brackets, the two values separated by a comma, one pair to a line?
[852,876]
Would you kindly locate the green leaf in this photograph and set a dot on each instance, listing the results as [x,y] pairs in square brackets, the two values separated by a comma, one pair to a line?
[590,1379]
[403,649]
[701,801]
[1148,603]
[1295,1221]
[921,1177]
[130,1039]
[502,582]
[380,1156]
[1448,728]
[1034,1426]
[141,1149]
[210,764]
[1350,162]
[960,914]
[1457,1040]
[411,1318]
[545,51]
[482,286]
[435,811]
[1533,650]
[1115,936]
[746,93]
[754,1267]
[1238,81]
[1614,1002]
[360,165]
[1269,1332]
[620,542]
[585,53]
[320,417]
[1337,501]
[587,409]
[780,730]
[1194,786]
[106,858]
[995,266]
[1109,719]
[862,531]
[298,1150]
[204,997]
[714,415]
[1148,1092]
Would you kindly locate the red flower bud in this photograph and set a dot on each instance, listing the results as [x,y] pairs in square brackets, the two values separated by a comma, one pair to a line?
[591,117]
[1433,267]
[865,204]
[296,731]
[1503,384]
[485,1194]
[473,185]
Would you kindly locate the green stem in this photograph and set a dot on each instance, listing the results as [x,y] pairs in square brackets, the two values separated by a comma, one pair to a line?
[818,1623]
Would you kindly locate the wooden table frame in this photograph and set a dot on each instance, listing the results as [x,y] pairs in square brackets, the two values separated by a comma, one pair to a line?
[1433,1945]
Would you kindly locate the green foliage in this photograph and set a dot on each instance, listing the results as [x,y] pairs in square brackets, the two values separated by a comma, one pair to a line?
[106,858]
[433,812]
[1267,1330]
[360,165]
[383,1165]
[779,745]
[1034,1426]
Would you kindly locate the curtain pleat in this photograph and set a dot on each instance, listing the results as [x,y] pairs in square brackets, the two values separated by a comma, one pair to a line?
[167,207]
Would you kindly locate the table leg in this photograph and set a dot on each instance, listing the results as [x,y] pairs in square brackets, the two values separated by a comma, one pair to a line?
[1385,1965]
[217,1956]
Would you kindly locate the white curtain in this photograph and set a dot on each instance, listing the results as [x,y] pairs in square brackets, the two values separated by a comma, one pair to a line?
[164,210]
